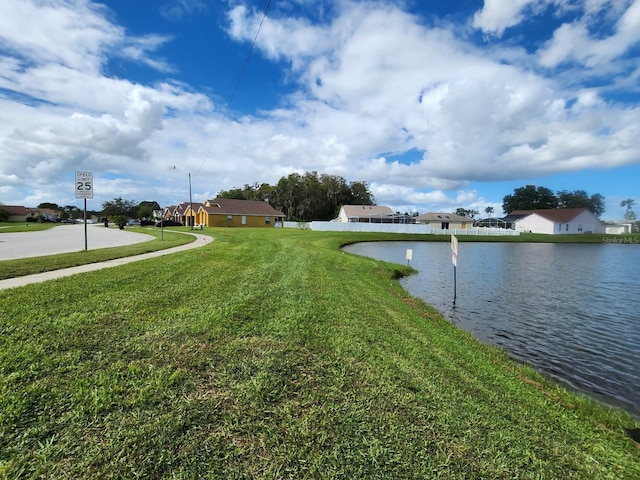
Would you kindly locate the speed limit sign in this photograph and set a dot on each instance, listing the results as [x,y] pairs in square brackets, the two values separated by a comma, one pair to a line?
[84,184]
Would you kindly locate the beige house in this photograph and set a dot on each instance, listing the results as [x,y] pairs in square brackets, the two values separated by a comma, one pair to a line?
[18,213]
[363,213]
[444,221]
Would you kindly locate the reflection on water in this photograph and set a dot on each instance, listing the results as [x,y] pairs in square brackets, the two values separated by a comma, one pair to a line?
[571,311]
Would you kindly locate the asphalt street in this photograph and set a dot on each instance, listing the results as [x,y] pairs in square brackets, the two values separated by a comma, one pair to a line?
[65,239]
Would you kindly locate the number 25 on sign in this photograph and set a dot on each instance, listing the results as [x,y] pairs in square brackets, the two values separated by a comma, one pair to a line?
[84,185]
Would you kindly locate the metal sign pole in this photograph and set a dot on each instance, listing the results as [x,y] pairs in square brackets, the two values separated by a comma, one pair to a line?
[85,224]
[454,259]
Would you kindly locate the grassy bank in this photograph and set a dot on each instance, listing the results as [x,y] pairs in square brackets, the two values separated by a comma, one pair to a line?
[270,353]
[47,263]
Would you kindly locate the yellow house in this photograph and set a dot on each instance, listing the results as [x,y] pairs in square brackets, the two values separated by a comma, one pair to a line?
[224,212]
[181,213]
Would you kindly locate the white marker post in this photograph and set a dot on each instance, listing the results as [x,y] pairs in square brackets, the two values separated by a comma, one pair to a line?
[84,189]
[454,259]
[408,255]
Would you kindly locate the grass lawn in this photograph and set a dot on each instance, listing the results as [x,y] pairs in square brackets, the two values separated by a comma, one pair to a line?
[270,353]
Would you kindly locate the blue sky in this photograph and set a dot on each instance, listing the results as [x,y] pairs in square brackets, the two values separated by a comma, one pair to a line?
[436,105]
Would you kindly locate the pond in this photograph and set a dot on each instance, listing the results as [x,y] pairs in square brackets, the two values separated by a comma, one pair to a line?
[572,311]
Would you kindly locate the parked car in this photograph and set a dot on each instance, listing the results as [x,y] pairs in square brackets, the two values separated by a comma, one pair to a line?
[168,223]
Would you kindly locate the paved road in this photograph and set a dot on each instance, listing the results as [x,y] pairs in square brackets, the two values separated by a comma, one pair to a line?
[107,240]
[64,239]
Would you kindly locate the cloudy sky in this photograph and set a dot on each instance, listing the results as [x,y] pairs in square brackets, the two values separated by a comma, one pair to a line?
[435,104]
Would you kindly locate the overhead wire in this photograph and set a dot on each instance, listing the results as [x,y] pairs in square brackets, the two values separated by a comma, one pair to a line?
[236,86]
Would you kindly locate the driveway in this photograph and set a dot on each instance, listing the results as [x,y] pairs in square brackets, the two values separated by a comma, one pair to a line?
[65,239]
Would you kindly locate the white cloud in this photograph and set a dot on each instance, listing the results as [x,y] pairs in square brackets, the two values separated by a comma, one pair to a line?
[73,33]
[574,42]
[384,82]
[498,15]
[178,9]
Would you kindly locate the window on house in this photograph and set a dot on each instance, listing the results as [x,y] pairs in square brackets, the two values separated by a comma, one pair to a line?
[580,227]
[244,219]
[267,220]
[566,229]
[445,226]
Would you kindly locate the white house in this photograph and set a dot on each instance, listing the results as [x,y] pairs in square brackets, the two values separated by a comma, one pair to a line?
[619,228]
[363,213]
[557,221]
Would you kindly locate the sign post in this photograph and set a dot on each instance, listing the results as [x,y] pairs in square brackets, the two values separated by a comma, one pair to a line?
[454,259]
[408,255]
[84,189]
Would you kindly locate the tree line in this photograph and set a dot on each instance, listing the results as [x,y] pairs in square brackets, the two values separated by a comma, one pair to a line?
[306,197]
[531,197]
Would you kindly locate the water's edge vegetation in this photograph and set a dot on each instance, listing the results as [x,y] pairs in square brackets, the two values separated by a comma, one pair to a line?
[271,353]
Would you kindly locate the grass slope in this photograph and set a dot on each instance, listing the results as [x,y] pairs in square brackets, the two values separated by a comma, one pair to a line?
[272,354]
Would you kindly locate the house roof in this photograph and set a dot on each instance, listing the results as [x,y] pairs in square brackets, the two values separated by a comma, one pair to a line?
[196,206]
[352,211]
[557,215]
[227,206]
[442,217]
[179,208]
[17,209]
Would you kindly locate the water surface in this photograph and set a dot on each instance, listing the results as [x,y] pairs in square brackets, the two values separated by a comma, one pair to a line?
[572,311]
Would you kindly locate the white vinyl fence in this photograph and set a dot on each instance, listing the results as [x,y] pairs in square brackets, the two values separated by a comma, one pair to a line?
[395,228]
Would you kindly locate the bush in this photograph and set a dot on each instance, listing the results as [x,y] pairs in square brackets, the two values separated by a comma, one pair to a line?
[120,220]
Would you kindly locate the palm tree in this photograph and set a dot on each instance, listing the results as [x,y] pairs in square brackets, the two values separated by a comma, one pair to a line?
[628,203]
[488,211]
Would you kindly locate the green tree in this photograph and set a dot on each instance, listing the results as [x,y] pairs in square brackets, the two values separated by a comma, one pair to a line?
[489,211]
[120,220]
[118,206]
[580,199]
[71,211]
[463,212]
[306,197]
[529,197]
[629,214]
[361,195]
[51,206]
[232,194]
[144,212]
[153,205]
[4,214]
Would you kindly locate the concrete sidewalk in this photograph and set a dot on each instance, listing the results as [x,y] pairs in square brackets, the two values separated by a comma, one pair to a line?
[200,241]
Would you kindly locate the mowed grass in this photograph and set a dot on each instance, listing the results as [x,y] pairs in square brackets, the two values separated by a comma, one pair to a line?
[270,353]
[47,263]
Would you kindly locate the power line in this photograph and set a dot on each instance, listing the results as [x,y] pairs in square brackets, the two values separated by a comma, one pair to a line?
[235,88]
